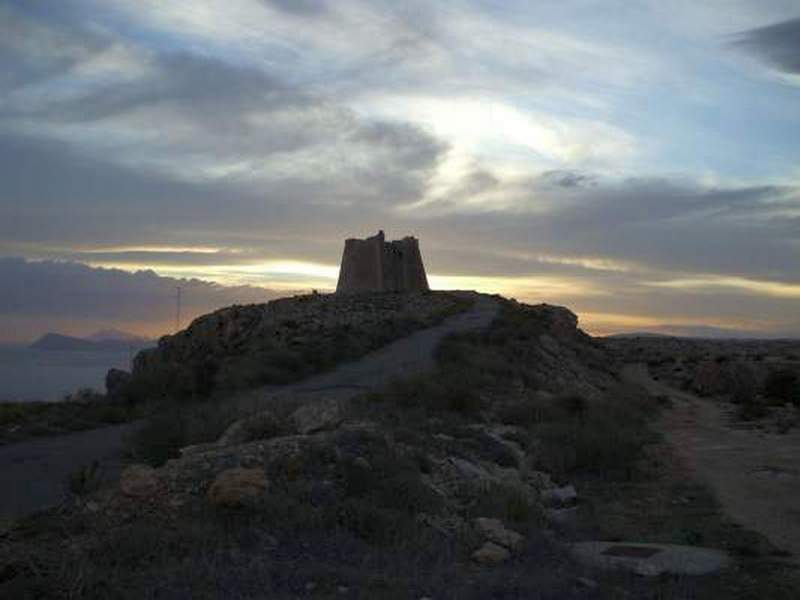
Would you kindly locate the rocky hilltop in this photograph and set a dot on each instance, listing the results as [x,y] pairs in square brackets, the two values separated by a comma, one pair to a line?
[281,341]
[427,482]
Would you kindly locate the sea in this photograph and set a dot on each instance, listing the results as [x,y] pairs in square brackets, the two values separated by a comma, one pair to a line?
[30,375]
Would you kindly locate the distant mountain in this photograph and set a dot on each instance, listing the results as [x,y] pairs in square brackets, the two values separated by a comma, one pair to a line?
[697,331]
[66,343]
[116,335]
[639,334]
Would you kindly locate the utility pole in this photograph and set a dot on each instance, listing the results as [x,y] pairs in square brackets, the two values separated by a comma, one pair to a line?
[178,310]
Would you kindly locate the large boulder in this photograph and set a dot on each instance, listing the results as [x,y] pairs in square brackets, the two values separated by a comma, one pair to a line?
[491,554]
[234,488]
[262,425]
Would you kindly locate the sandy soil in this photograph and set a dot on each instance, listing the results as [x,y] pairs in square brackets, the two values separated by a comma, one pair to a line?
[755,474]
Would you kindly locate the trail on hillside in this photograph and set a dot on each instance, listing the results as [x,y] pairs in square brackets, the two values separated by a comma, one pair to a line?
[33,473]
[754,474]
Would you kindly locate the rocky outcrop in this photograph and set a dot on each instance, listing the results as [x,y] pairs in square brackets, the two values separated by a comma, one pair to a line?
[491,554]
[234,488]
[318,415]
[560,357]
[285,340]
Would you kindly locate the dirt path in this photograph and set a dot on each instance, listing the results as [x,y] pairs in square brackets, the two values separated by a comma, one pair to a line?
[755,474]
[403,358]
[33,473]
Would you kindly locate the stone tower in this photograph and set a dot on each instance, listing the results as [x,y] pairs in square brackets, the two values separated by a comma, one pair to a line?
[375,265]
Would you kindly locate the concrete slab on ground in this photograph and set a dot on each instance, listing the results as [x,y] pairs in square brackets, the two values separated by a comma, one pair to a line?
[650,559]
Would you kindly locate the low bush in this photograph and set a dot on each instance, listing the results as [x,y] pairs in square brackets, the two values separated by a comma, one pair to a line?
[603,437]
[782,386]
[21,420]
[504,502]
[168,430]
[444,390]
[84,480]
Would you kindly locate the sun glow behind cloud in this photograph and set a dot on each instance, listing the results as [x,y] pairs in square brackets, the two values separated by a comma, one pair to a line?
[552,152]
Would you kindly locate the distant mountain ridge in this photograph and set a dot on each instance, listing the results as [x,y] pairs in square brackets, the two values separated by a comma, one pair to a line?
[699,332]
[116,335]
[103,341]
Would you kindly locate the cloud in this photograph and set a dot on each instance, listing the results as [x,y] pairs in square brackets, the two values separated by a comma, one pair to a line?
[242,140]
[568,179]
[300,7]
[777,45]
[35,296]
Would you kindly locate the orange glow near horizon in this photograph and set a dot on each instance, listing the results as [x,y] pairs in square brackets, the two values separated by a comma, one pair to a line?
[297,276]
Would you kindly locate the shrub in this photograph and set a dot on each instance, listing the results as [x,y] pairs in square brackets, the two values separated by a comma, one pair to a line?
[84,480]
[606,438]
[783,386]
[504,502]
[444,390]
[169,429]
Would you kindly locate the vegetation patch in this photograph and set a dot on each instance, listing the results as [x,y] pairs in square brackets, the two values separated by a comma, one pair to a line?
[83,410]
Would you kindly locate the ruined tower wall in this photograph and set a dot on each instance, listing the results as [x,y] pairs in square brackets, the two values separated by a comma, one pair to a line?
[373,265]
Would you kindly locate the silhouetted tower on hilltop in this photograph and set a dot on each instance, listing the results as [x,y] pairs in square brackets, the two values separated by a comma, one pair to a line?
[375,265]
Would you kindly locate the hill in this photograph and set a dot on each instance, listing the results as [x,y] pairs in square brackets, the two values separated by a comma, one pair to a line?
[284,340]
[467,481]
[66,343]
[117,335]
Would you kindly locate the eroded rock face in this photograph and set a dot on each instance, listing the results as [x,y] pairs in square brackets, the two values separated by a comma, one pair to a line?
[234,488]
[139,481]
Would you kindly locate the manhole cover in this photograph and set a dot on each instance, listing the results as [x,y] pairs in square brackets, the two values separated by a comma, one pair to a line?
[631,551]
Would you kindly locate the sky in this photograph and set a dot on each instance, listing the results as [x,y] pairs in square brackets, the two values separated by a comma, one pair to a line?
[636,161]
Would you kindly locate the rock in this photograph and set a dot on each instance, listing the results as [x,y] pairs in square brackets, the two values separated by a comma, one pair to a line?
[490,554]
[495,531]
[197,449]
[139,481]
[469,470]
[237,487]
[539,479]
[562,516]
[317,416]
[565,495]
[118,385]
[260,426]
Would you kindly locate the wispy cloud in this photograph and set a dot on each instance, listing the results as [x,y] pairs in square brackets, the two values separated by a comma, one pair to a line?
[553,151]
[778,45]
